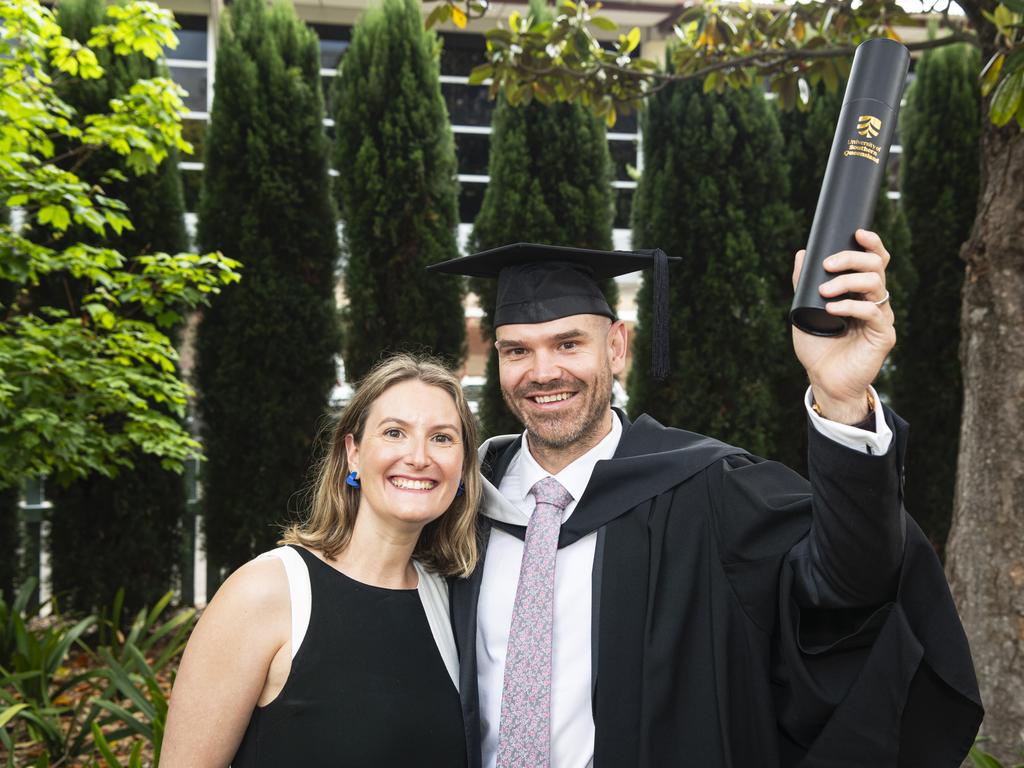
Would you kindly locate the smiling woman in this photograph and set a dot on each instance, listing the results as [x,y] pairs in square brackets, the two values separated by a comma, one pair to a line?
[320,652]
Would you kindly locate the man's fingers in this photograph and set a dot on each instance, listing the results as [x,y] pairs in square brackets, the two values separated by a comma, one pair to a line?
[870,284]
[855,261]
[798,264]
[872,242]
[878,317]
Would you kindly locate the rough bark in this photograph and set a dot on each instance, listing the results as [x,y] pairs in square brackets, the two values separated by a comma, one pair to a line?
[985,554]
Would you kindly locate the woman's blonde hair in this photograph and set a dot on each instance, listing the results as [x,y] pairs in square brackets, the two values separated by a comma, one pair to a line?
[447,545]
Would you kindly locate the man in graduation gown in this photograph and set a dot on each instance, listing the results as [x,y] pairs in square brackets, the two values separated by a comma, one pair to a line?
[706,607]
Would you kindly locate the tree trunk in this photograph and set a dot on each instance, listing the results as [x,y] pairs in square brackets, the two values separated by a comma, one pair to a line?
[985,554]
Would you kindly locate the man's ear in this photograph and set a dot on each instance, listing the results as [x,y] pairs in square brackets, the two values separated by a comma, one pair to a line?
[618,346]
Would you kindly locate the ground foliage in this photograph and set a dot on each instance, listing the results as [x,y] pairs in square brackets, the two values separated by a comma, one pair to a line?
[714,193]
[939,184]
[87,691]
[128,523]
[77,381]
[397,192]
[265,349]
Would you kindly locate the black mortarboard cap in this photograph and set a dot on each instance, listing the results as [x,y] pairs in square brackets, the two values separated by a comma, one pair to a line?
[539,283]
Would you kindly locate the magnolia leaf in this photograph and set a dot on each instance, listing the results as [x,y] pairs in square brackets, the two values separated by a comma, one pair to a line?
[480,74]
[459,17]
[1008,98]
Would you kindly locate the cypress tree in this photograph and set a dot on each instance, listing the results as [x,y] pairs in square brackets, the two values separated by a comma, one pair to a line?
[397,191]
[264,352]
[714,192]
[939,184]
[550,182]
[109,533]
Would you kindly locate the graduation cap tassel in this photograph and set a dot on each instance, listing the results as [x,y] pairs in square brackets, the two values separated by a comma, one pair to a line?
[659,339]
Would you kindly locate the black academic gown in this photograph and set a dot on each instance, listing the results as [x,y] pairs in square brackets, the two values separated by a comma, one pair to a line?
[745,617]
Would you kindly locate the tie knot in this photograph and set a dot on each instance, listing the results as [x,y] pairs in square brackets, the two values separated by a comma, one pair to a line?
[550,491]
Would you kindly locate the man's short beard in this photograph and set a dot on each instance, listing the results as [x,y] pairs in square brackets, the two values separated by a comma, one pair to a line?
[597,401]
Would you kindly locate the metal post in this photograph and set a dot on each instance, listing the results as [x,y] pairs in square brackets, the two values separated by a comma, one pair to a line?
[32,510]
[188,562]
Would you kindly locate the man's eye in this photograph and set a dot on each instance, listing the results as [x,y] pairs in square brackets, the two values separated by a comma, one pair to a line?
[515,352]
[570,344]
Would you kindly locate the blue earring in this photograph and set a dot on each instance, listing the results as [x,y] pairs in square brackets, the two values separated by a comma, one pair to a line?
[353,480]
[461,490]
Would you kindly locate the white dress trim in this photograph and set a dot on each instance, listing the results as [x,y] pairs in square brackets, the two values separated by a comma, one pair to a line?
[432,590]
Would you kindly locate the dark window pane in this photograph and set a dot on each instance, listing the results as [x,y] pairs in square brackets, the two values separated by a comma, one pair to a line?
[191,38]
[625,123]
[623,208]
[194,81]
[194,131]
[472,150]
[191,182]
[470,198]
[334,41]
[467,104]
[461,53]
[892,171]
[327,84]
[623,153]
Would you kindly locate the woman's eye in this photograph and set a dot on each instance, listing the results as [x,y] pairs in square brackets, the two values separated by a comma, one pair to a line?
[443,438]
[393,433]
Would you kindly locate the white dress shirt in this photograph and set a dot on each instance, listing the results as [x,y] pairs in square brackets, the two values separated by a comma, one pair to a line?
[572,720]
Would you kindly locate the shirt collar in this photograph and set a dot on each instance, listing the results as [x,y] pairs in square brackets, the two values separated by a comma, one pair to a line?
[575,477]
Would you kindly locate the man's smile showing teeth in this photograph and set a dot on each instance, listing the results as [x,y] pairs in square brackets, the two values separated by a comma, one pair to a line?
[552,398]
[408,484]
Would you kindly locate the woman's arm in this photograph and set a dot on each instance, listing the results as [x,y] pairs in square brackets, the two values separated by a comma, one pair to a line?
[224,668]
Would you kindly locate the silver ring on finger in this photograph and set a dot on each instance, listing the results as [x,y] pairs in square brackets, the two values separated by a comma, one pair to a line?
[882,300]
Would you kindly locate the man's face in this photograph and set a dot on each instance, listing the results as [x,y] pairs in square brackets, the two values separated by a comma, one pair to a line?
[557,376]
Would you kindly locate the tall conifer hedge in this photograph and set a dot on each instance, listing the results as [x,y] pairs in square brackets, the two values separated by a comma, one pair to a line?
[939,182]
[109,533]
[714,192]
[397,191]
[550,182]
[265,347]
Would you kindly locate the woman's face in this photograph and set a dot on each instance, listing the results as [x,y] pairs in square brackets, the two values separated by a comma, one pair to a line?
[409,459]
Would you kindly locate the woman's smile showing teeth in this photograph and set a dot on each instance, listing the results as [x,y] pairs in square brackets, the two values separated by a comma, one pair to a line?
[410,484]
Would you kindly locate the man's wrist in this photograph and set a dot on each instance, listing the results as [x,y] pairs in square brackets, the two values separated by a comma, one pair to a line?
[851,412]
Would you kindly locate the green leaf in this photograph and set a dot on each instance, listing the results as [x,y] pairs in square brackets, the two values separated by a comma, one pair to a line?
[1007,99]
[8,714]
[604,23]
[104,747]
[480,74]
[1014,5]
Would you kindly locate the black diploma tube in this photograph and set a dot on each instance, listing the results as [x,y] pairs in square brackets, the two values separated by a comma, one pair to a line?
[853,175]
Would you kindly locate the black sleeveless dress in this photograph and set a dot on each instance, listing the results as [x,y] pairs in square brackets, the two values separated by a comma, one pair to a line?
[367,687]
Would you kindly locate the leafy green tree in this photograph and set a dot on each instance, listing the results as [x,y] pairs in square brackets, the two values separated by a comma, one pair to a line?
[714,192]
[397,191]
[109,533]
[78,378]
[939,183]
[264,352]
[550,173]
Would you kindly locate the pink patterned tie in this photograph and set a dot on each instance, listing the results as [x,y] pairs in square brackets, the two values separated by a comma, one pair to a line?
[524,734]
